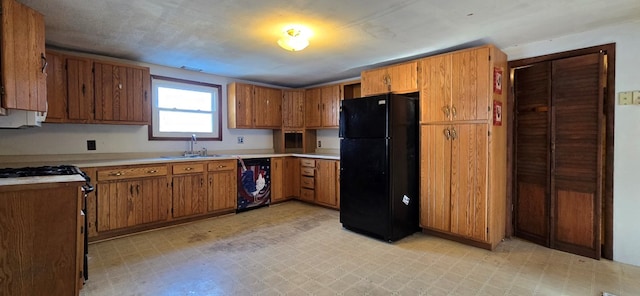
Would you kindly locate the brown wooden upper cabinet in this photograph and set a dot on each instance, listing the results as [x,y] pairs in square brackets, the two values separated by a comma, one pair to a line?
[455,86]
[322,106]
[252,106]
[69,88]
[122,93]
[23,58]
[293,109]
[400,78]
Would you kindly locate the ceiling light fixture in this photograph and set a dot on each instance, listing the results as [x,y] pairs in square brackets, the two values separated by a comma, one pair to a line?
[295,38]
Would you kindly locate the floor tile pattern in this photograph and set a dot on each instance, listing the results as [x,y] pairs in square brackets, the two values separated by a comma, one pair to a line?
[298,249]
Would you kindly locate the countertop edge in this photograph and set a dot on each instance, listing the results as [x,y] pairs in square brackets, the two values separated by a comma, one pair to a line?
[168,159]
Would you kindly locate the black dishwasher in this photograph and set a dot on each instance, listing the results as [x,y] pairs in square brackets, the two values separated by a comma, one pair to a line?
[254,183]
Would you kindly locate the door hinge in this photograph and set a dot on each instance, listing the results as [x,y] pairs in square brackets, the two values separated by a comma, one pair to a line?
[489,57]
[172,211]
[489,133]
[487,230]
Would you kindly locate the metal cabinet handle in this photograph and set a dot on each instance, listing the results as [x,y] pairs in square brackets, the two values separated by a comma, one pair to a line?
[447,133]
[44,63]
[222,166]
[454,134]
[116,174]
[454,112]
[152,172]
[120,85]
[446,111]
[188,169]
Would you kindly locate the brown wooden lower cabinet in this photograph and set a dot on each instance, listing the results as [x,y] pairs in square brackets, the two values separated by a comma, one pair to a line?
[319,182]
[222,190]
[131,196]
[40,239]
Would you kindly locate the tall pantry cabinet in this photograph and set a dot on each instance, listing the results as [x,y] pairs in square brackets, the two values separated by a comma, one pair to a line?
[463,145]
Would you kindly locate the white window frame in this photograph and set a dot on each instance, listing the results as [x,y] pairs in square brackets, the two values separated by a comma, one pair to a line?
[216,110]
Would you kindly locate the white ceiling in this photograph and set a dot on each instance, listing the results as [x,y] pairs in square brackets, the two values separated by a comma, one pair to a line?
[237,38]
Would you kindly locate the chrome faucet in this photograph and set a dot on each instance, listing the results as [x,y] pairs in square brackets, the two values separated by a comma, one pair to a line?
[192,142]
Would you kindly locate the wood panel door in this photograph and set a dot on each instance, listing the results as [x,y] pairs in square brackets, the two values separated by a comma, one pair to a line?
[435,177]
[470,77]
[435,89]
[189,195]
[56,87]
[403,78]
[374,82]
[79,89]
[222,191]
[313,108]
[325,183]
[129,203]
[293,109]
[240,105]
[559,153]
[277,179]
[268,107]
[532,87]
[121,93]
[292,177]
[468,200]
[330,105]
[576,149]
[23,58]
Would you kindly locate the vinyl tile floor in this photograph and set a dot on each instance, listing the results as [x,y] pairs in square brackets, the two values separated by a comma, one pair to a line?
[297,249]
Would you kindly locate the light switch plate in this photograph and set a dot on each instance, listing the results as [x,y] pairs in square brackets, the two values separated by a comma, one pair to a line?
[636,97]
[625,98]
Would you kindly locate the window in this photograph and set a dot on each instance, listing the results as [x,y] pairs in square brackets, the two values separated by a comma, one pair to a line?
[182,108]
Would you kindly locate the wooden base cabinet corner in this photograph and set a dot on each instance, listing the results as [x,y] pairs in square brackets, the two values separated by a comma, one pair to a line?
[41,243]
[463,147]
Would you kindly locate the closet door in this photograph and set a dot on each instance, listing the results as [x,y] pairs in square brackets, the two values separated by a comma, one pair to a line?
[532,87]
[576,147]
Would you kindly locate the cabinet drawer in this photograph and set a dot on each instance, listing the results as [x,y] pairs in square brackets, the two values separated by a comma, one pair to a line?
[128,173]
[307,182]
[305,162]
[222,165]
[188,168]
[307,171]
[307,194]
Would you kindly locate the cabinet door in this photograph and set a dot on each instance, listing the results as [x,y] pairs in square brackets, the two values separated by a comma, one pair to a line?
[403,78]
[277,179]
[23,58]
[222,191]
[291,177]
[435,89]
[79,89]
[268,107]
[240,105]
[330,97]
[469,156]
[470,80]
[374,82]
[189,195]
[121,93]
[124,204]
[293,109]
[435,177]
[338,184]
[313,108]
[325,182]
[56,88]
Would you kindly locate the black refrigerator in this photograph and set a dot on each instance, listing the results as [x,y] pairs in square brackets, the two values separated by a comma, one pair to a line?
[379,166]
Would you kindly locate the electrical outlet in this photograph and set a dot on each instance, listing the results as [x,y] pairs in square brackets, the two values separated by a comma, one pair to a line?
[241,140]
[625,98]
[319,144]
[636,97]
[91,144]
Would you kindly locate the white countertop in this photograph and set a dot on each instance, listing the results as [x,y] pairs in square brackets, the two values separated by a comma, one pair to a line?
[40,180]
[131,159]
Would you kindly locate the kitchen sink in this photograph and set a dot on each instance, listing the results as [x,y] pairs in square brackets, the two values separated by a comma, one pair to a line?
[196,156]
